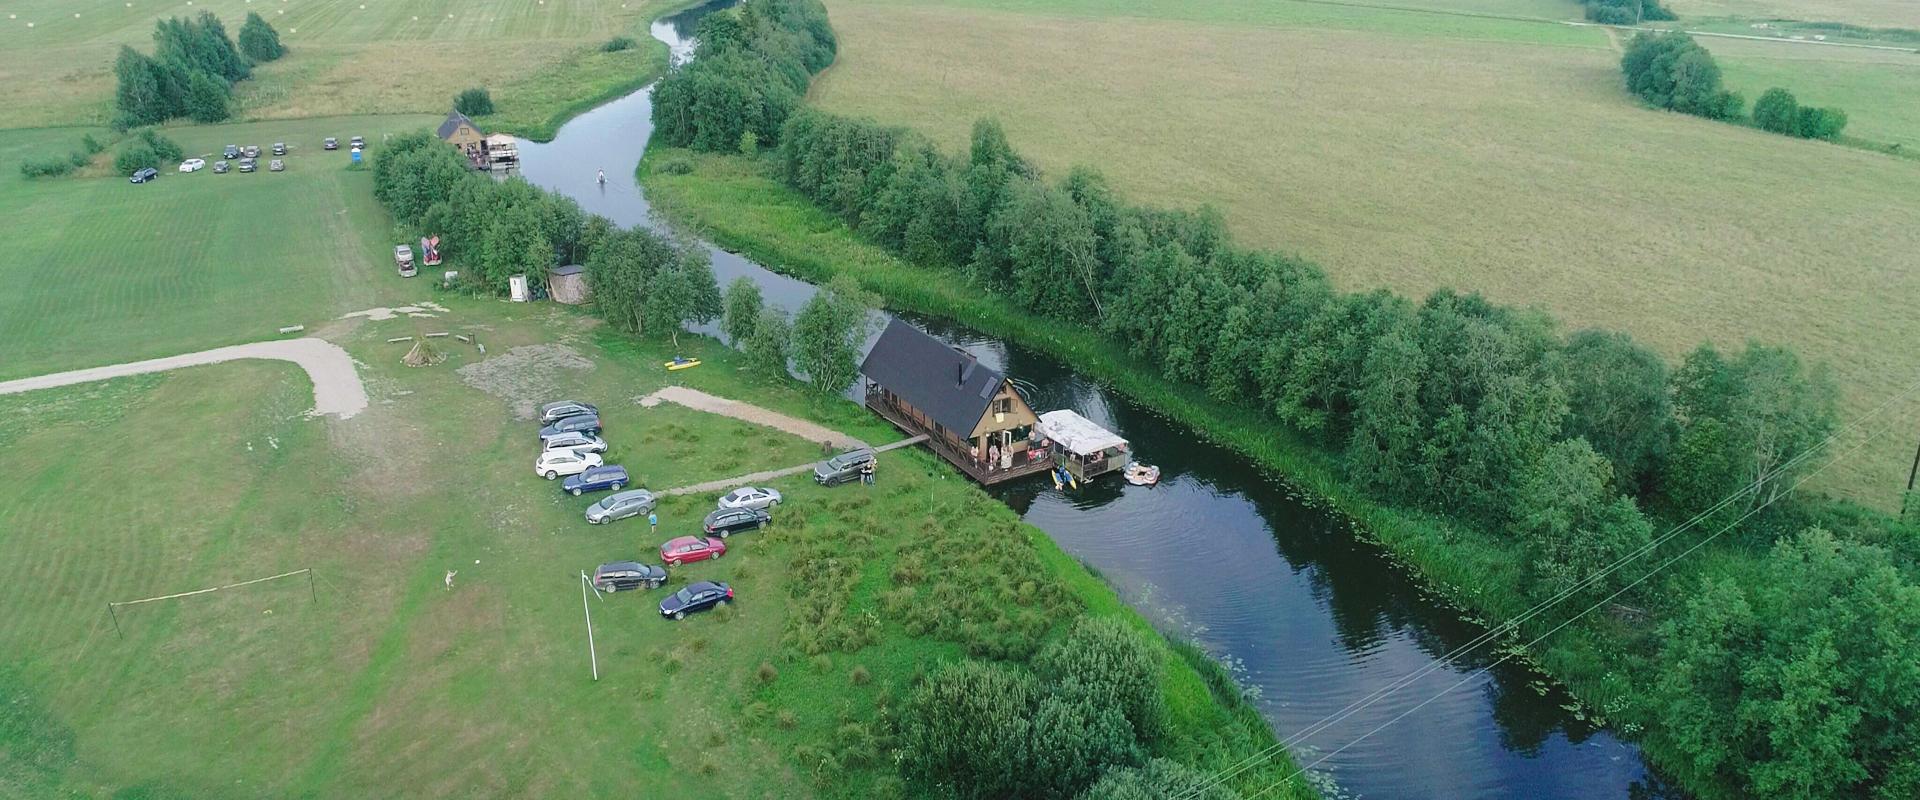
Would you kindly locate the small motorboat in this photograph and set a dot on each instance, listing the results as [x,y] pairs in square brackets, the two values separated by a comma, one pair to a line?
[1140,474]
[680,362]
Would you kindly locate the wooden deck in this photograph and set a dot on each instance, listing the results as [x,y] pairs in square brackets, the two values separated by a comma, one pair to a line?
[954,455]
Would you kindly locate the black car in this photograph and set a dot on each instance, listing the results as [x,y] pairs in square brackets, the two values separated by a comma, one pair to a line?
[620,576]
[143,175]
[729,521]
[696,597]
[220,167]
[578,423]
[556,411]
[230,152]
[331,143]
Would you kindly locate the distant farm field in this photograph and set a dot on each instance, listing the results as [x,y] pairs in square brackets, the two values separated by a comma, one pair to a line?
[345,56]
[101,271]
[1879,90]
[1415,151]
[1872,13]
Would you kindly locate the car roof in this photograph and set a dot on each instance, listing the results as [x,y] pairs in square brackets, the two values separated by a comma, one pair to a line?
[622,565]
[681,540]
[704,585]
[629,493]
[611,469]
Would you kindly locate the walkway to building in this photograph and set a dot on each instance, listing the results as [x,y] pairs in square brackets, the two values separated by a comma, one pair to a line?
[762,477]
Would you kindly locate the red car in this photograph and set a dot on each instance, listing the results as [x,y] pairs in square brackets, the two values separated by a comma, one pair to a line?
[691,548]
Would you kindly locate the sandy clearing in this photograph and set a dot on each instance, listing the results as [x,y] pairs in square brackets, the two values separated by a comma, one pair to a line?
[712,404]
[336,384]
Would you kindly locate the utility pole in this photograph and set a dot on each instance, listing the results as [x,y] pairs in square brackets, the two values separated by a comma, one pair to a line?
[1911,474]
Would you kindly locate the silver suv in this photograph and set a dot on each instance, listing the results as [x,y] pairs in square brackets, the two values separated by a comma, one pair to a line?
[842,468]
[577,441]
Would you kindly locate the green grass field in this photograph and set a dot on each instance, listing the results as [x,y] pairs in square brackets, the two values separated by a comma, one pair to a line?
[1879,90]
[1872,13]
[103,271]
[1418,151]
[539,57]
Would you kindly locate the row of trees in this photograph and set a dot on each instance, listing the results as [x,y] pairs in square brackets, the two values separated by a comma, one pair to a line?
[1626,12]
[1573,448]
[752,72]
[192,71]
[643,283]
[1672,71]
[1079,721]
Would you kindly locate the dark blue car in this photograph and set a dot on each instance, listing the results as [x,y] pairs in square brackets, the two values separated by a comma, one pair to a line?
[696,597]
[598,479]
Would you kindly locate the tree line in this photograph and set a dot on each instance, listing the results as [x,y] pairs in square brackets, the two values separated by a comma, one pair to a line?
[1572,449]
[1672,71]
[192,70]
[1626,12]
[641,282]
[753,70]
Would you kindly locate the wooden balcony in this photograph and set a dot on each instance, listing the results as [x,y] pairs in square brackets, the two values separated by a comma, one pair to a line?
[955,455]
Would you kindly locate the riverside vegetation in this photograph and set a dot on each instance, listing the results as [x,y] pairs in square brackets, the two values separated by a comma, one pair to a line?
[1508,461]
[1119,714]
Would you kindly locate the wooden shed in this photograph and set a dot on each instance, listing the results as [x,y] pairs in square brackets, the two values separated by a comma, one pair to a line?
[568,284]
[971,414]
[460,132]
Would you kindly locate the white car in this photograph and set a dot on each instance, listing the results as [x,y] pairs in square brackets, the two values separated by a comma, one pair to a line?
[192,164]
[577,441]
[750,497]
[555,463]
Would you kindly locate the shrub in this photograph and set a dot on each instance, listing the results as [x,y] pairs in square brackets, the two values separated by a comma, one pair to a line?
[474,102]
[860,676]
[766,673]
[1110,664]
[164,149]
[1819,123]
[91,145]
[1776,111]
[675,166]
[786,719]
[135,157]
[46,167]
[618,43]
[822,663]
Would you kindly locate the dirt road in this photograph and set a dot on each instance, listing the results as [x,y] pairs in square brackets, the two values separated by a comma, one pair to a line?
[701,401]
[336,384]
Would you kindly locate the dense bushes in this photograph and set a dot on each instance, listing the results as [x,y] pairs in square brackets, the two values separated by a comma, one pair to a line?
[53,166]
[752,72]
[1626,12]
[259,42]
[474,102]
[1571,451]
[190,74]
[1672,71]
[618,43]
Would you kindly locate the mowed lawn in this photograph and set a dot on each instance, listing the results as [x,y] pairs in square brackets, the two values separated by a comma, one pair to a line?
[390,684]
[101,271]
[346,56]
[1416,151]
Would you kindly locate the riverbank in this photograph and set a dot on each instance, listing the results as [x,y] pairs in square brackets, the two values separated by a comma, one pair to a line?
[738,204]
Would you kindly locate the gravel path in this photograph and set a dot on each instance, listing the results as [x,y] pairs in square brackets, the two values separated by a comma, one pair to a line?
[762,477]
[336,384]
[701,401]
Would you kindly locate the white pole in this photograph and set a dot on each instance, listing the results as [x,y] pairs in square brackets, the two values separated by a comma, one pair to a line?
[591,655]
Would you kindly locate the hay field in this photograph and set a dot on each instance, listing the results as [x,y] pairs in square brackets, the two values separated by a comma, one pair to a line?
[346,56]
[1872,13]
[101,271]
[1467,156]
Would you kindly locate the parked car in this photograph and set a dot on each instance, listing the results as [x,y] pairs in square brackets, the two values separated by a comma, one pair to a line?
[143,175]
[221,167]
[246,165]
[554,463]
[598,479]
[250,151]
[357,143]
[578,423]
[750,497]
[279,148]
[621,505]
[193,165]
[728,521]
[577,441]
[695,597]
[688,549]
[230,152]
[556,411]
[331,143]
[842,468]
[276,165]
[619,576]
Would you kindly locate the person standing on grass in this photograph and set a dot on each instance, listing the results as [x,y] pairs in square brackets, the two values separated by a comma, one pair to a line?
[653,523]
[866,473]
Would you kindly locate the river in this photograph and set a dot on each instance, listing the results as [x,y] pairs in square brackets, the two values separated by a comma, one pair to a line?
[1306,616]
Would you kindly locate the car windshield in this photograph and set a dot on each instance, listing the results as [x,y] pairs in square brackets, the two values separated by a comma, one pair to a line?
[684,595]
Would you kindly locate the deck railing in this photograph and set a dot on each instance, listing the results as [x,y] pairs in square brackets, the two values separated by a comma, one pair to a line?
[958,456]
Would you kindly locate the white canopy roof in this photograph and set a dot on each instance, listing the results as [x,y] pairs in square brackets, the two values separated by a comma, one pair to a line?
[1077,433]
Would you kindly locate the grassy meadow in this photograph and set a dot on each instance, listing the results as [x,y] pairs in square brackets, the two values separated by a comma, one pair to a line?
[1879,90]
[102,271]
[1871,13]
[539,57]
[1415,151]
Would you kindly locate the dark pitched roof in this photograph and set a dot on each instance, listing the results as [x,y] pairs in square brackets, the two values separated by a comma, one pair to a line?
[951,387]
[570,269]
[453,123]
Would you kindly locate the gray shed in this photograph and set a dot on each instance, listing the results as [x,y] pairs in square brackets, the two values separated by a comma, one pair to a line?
[568,284]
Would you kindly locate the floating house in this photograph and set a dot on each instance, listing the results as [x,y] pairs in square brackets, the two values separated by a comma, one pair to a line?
[1080,446]
[970,413]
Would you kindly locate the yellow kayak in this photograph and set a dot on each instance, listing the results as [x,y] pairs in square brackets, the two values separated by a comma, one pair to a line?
[683,363]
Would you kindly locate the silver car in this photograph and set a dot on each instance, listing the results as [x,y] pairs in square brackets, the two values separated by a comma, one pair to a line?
[620,505]
[753,497]
[577,441]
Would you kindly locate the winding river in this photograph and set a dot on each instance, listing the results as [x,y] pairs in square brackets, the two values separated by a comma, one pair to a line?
[1220,553]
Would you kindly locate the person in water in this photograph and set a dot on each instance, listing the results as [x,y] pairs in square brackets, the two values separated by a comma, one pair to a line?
[603,177]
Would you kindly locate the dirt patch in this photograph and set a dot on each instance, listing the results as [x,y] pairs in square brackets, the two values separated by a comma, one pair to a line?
[336,384]
[426,308]
[746,412]
[525,376]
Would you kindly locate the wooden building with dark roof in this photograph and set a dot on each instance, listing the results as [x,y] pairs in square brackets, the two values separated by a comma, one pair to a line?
[970,413]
